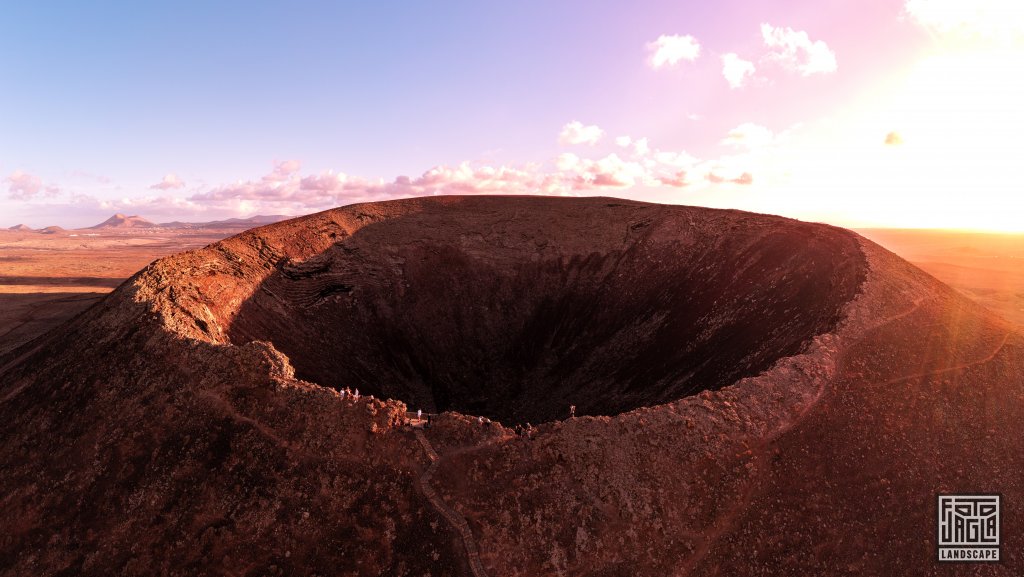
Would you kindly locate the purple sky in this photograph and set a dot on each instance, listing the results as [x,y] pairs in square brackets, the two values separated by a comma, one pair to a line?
[890,113]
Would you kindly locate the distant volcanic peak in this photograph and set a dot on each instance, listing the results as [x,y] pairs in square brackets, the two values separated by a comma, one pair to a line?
[20,227]
[246,222]
[51,230]
[517,308]
[258,219]
[229,223]
[123,221]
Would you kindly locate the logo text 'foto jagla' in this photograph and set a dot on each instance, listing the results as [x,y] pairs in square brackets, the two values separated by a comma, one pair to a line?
[968,528]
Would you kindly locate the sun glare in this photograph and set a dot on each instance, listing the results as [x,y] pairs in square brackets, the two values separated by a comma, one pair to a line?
[941,149]
[960,118]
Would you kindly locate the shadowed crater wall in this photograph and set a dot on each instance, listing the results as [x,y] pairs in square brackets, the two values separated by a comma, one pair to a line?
[516,309]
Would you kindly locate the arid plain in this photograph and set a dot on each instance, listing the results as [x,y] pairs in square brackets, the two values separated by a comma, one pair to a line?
[49,275]
[986,267]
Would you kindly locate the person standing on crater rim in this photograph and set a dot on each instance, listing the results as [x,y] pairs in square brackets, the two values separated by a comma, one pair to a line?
[572,411]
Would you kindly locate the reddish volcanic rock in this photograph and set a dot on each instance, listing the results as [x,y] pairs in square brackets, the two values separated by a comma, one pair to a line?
[755,395]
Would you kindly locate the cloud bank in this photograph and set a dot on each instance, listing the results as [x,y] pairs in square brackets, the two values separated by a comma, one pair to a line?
[287,189]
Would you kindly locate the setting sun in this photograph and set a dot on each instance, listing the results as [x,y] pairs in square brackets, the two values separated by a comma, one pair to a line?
[961,120]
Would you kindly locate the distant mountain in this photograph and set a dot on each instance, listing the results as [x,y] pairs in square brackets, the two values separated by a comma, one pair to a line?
[122,221]
[51,230]
[250,222]
[258,219]
[20,228]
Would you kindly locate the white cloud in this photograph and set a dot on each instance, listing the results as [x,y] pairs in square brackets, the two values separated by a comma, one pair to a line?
[169,181]
[795,50]
[729,169]
[608,172]
[750,136]
[669,50]
[567,161]
[283,170]
[999,21]
[576,133]
[673,169]
[736,70]
[676,160]
[742,178]
[640,147]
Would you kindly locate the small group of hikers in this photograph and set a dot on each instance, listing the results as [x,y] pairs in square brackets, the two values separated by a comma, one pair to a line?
[520,430]
[527,429]
[419,418]
[524,430]
[346,392]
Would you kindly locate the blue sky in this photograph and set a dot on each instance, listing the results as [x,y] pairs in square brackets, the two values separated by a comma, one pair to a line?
[196,111]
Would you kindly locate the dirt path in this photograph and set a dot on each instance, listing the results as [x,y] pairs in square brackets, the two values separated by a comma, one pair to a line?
[725,522]
[954,368]
[14,392]
[454,518]
[225,405]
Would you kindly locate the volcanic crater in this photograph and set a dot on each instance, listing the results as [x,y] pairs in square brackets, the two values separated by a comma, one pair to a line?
[755,396]
[506,316]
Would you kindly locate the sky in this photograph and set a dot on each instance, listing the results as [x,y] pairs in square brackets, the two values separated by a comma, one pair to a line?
[889,113]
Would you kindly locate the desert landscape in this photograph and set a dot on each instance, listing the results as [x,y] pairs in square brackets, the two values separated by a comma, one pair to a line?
[49,275]
[988,268]
[752,394]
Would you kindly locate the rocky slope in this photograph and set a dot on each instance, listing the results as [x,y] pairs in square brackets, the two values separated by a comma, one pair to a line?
[756,396]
